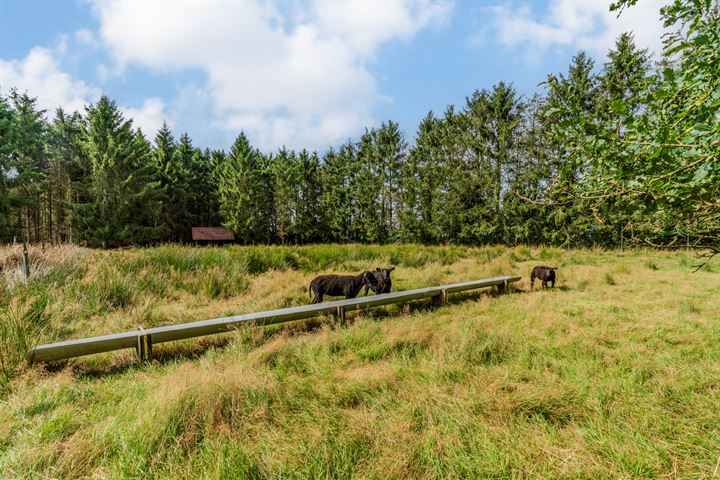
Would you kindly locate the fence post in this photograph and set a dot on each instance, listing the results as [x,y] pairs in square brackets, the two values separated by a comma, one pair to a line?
[340,315]
[143,348]
[440,298]
[26,260]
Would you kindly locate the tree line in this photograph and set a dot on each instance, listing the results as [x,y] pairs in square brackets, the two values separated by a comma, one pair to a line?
[621,152]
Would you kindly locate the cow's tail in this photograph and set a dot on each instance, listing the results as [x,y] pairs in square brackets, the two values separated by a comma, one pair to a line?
[310,290]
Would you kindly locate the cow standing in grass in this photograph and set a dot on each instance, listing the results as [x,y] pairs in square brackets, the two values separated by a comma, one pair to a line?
[384,283]
[341,285]
[543,273]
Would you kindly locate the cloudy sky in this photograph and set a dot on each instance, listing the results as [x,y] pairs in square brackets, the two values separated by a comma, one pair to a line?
[300,74]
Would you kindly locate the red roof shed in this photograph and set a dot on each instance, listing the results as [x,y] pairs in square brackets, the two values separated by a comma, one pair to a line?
[212,234]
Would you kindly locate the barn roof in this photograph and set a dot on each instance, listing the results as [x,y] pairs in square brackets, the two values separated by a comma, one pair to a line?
[212,233]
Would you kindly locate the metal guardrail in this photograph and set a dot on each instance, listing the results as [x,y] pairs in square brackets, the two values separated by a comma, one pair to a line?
[143,340]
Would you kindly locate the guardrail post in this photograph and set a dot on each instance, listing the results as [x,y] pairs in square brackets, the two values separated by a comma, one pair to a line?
[440,298]
[504,287]
[143,348]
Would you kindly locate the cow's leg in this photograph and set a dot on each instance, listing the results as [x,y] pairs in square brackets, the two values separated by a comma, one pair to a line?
[544,284]
[552,283]
[366,290]
[318,297]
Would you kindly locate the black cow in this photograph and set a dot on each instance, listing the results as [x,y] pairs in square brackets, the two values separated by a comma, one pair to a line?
[543,273]
[336,285]
[384,283]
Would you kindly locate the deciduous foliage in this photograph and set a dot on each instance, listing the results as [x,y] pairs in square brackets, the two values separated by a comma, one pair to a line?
[660,164]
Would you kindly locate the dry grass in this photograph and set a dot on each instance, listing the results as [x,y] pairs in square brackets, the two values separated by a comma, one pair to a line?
[590,380]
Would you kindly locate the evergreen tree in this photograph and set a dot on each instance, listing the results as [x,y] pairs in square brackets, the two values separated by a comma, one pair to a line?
[203,190]
[29,162]
[8,230]
[181,191]
[285,173]
[572,101]
[164,157]
[124,196]
[309,217]
[531,173]
[424,183]
[391,154]
[476,188]
[246,193]
[365,189]
[336,204]
[67,169]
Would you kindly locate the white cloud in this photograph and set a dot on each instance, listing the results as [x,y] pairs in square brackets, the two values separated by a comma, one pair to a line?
[40,75]
[587,25]
[300,81]
[149,118]
[85,37]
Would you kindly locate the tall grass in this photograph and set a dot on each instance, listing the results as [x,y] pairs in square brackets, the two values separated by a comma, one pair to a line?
[592,379]
[22,323]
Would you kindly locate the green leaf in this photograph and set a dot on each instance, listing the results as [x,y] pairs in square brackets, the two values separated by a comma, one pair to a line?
[619,107]
[702,172]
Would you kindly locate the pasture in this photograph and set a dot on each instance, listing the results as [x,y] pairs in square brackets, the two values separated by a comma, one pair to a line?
[615,373]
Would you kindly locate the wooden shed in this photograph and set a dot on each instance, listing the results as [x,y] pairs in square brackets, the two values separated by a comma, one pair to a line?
[212,235]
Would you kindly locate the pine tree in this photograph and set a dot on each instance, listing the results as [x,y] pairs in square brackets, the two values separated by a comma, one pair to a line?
[365,188]
[476,188]
[572,101]
[245,193]
[67,168]
[309,221]
[336,204]
[203,190]
[180,193]
[285,172]
[164,158]
[8,229]
[530,175]
[30,162]
[124,196]
[391,155]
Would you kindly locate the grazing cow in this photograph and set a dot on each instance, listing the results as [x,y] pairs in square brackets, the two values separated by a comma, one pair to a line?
[384,283]
[336,285]
[543,273]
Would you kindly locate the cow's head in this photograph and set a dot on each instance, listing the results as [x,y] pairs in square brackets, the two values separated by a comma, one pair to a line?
[385,272]
[370,280]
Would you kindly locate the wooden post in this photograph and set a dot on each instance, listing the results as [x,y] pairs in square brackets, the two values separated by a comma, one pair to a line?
[340,315]
[26,260]
[506,286]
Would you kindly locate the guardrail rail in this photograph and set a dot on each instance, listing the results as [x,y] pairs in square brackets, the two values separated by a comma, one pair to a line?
[142,340]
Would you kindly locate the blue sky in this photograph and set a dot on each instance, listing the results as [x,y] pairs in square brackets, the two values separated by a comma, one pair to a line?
[301,74]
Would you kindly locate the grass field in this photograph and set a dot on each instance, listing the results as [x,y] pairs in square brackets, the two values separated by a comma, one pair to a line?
[613,374]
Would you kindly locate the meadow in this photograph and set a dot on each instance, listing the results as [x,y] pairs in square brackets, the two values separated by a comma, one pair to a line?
[615,373]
